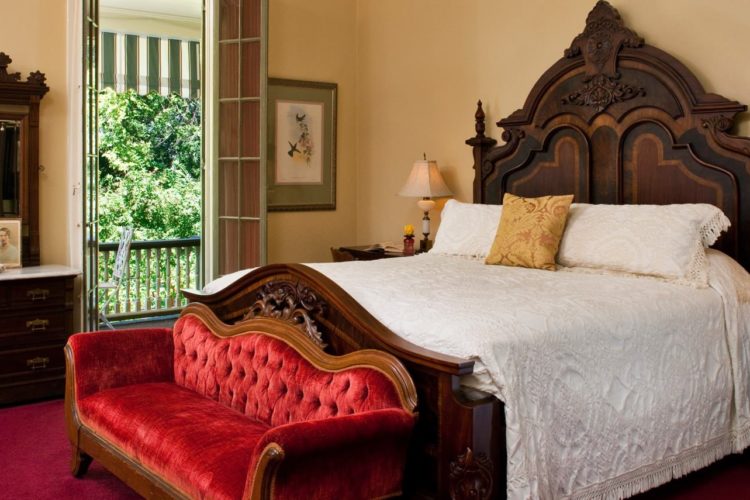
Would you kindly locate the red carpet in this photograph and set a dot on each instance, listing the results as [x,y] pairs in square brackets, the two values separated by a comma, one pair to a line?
[35,459]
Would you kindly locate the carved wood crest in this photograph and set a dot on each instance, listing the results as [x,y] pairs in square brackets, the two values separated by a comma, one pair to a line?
[718,123]
[5,61]
[600,43]
[601,91]
[293,303]
[35,79]
[471,476]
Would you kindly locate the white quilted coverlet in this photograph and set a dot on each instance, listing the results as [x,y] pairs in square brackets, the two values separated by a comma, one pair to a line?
[612,385]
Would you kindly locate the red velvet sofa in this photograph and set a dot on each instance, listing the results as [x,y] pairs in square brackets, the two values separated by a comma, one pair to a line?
[253,410]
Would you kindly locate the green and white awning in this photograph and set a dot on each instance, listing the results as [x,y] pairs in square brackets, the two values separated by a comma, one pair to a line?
[150,64]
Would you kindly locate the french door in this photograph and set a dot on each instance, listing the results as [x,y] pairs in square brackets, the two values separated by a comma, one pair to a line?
[90,179]
[234,103]
[240,134]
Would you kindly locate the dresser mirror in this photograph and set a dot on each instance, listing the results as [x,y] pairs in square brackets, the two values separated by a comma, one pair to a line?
[10,167]
[19,154]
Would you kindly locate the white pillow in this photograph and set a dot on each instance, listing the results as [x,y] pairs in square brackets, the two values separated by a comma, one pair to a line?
[466,229]
[664,241]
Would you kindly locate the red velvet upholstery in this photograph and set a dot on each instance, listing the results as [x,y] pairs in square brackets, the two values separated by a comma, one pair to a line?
[115,358]
[354,456]
[198,410]
[267,380]
[196,444]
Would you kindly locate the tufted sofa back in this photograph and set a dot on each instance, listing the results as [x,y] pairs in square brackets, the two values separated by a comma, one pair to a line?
[268,380]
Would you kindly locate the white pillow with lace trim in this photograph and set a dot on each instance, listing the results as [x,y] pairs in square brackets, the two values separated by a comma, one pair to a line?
[466,229]
[662,241]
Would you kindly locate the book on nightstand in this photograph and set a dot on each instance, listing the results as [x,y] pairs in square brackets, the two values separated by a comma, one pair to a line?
[389,246]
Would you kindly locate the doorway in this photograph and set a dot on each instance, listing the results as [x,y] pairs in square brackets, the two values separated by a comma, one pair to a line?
[233,53]
[143,145]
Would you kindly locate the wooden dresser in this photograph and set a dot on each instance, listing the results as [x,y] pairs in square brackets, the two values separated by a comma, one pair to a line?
[36,319]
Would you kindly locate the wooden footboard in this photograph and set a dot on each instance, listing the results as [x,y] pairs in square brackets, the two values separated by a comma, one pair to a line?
[459,445]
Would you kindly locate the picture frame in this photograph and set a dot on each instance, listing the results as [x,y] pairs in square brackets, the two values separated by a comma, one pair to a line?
[301,154]
[10,243]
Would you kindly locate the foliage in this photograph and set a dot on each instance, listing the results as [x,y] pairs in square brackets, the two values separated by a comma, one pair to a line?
[149,165]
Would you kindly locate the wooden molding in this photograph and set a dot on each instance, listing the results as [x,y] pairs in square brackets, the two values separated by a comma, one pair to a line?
[264,476]
[13,89]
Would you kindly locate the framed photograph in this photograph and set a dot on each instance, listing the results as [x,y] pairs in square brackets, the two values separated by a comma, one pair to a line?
[10,242]
[301,145]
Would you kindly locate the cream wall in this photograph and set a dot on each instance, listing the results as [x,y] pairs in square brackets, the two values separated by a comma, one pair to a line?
[409,73]
[417,79]
[316,41]
[422,64]
[33,33]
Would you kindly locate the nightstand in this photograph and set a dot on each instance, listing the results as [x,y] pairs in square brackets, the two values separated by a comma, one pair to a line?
[343,254]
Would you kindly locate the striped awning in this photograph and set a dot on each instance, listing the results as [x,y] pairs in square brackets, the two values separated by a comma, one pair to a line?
[150,64]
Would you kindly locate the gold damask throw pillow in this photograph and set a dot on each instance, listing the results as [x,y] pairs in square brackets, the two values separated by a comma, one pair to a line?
[530,231]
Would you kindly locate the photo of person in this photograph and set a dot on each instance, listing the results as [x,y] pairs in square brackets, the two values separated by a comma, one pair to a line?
[10,252]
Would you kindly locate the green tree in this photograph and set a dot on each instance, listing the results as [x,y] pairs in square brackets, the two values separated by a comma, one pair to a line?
[149,165]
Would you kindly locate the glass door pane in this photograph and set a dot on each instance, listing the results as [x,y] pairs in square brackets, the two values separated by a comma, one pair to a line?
[242,76]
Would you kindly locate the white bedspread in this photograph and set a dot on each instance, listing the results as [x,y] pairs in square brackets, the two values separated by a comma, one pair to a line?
[612,385]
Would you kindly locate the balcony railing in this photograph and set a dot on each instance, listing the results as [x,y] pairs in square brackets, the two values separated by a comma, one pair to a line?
[156,272]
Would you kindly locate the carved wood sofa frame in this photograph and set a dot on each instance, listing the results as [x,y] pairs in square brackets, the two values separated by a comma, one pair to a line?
[613,121]
[88,445]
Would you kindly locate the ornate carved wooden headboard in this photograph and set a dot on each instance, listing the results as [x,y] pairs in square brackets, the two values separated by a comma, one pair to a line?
[618,121]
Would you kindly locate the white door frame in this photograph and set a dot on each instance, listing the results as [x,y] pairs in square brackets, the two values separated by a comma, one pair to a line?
[209,81]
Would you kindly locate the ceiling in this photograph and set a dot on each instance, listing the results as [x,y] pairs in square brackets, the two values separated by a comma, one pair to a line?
[171,8]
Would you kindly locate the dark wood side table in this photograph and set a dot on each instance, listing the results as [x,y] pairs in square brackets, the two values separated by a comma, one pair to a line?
[361,253]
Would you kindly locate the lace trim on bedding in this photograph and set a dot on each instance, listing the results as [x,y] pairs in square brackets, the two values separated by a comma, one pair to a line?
[696,274]
[697,271]
[479,258]
[694,283]
[741,440]
[712,228]
[655,475]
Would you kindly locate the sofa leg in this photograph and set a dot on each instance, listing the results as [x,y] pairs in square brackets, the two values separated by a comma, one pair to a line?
[80,463]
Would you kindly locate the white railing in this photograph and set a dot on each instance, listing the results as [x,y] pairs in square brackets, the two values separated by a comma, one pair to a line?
[156,272]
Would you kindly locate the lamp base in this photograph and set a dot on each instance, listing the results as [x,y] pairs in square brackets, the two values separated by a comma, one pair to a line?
[425,244]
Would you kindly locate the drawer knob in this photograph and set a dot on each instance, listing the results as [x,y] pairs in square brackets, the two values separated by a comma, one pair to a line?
[37,325]
[38,294]
[37,363]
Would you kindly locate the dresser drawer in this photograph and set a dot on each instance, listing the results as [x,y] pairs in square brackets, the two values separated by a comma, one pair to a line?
[37,361]
[33,322]
[37,293]
[17,340]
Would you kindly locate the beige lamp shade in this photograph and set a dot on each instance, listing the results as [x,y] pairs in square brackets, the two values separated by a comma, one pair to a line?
[425,181]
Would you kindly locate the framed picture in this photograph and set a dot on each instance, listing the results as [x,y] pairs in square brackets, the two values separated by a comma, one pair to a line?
[302,145]
[10,242]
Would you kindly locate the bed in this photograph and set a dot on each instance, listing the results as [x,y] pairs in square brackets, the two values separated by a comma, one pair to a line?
[614,121]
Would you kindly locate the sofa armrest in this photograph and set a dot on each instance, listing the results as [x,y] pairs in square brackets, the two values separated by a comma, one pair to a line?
[357,456]
[107,359]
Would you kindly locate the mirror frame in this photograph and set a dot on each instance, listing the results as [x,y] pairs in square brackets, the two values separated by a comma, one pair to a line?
[19,100]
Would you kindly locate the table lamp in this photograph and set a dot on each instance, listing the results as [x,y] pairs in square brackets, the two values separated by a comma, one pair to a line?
[425,182]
